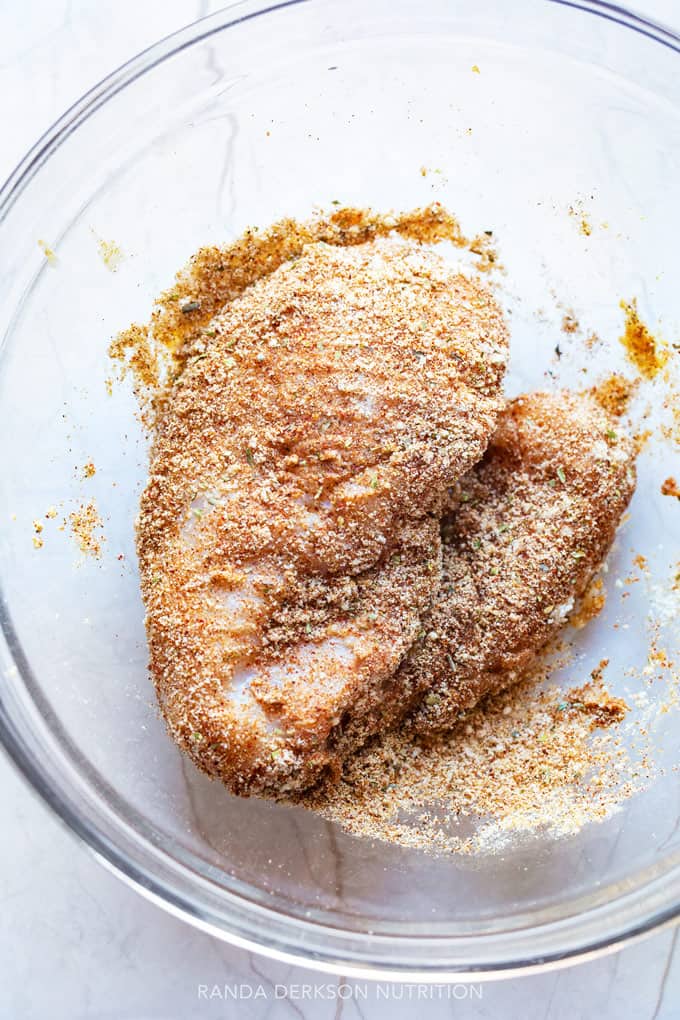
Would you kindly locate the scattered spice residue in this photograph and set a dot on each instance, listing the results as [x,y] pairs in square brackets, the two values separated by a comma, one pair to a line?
[584,224]
[641,439]
[136,352]
[110,254]
[86,527]
[590,605]
[648,354]
[670,430]
[670,488]
[155,353]
[570,323]
[39,527]
[527,759]
[437,171]
[48,252]
[614,394]
[89,470]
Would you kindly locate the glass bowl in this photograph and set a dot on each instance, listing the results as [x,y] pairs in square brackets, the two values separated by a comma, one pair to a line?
[558,128]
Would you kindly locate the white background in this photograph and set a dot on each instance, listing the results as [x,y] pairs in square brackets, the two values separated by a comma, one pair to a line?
[74,941]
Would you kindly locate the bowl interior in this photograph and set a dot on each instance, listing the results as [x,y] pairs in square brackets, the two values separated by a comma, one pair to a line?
[569,116]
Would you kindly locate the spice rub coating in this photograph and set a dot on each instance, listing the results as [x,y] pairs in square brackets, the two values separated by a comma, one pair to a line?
[530,525]
[288,535]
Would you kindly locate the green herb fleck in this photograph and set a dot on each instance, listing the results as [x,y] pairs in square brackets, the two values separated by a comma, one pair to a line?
[190,306]
[561,475]
[250,457]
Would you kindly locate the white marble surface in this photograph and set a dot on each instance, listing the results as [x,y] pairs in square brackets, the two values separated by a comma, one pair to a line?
[74,941]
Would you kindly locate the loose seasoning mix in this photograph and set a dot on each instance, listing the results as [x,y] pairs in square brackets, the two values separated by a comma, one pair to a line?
[531,759]
[87,529]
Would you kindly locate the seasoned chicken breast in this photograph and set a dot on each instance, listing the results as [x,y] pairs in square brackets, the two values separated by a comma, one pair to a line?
[288,536]
[529,526]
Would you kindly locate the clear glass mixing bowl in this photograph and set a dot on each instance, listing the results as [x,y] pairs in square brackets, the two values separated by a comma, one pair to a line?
[251,114]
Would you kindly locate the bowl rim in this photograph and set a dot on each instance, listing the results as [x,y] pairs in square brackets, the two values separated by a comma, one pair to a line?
[167,882]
